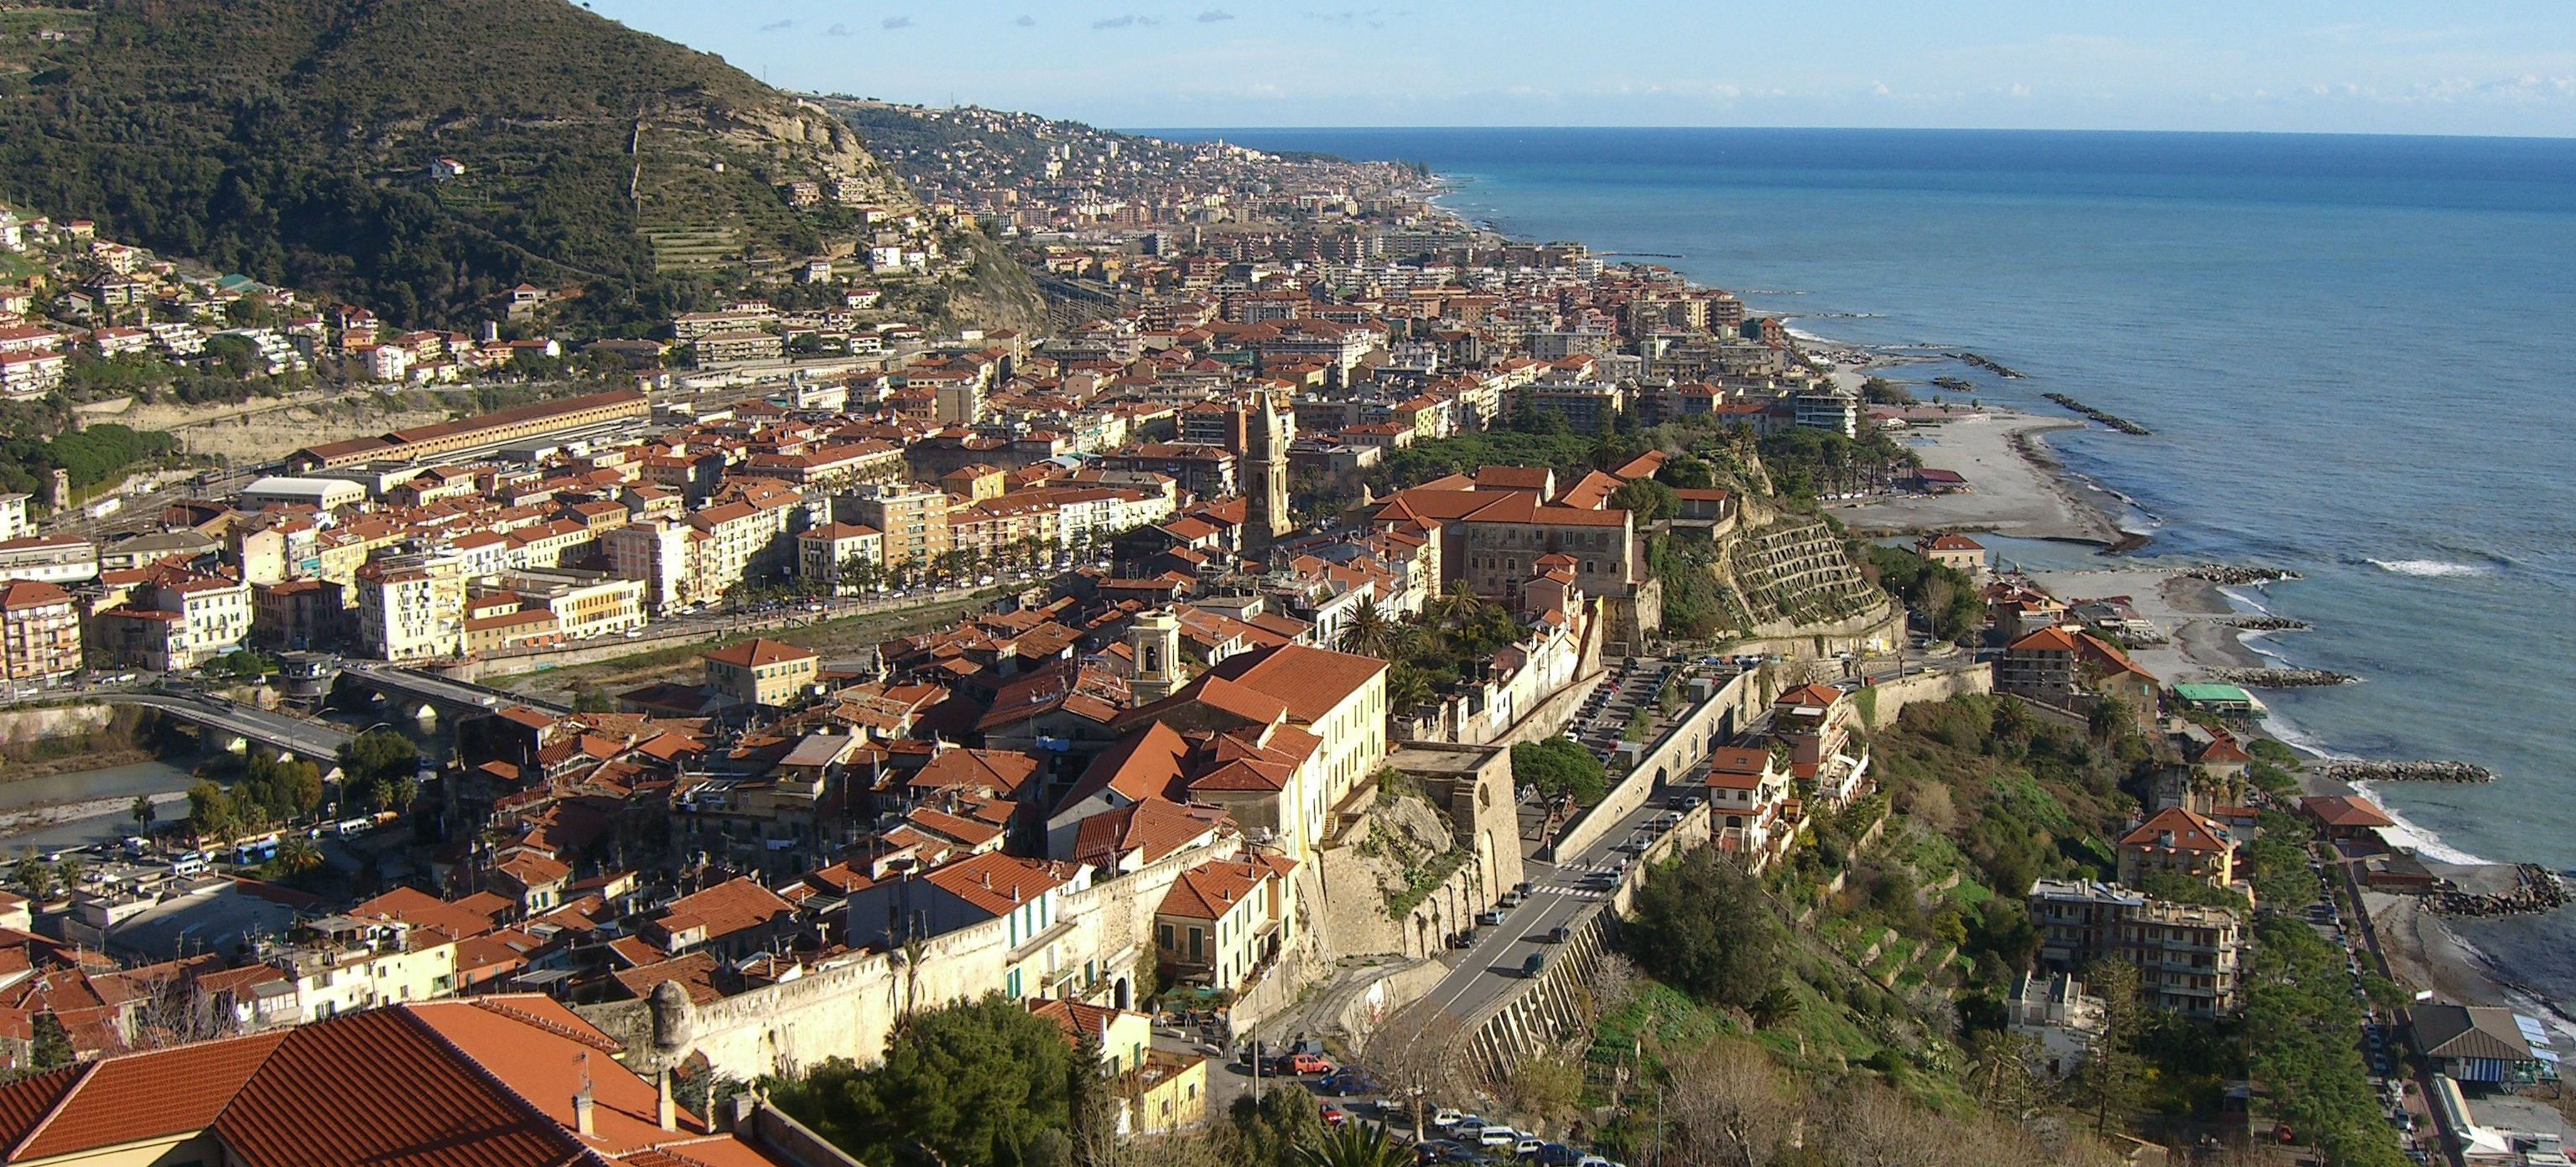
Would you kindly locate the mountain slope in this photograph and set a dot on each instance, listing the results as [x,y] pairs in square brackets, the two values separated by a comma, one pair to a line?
[292,140]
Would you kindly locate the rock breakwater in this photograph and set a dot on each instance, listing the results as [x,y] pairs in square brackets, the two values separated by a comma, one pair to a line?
[2113,420]
[2228,575]
[2536,889]
[2268,624]
[2437,770]
[2281,678]
[1989,364]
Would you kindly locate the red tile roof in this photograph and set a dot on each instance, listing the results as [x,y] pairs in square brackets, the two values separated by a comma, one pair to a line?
[141,1096]
[758,651]
[2345,810]
[2190,831]
[1310,681]
[996,883]
[1154,828]
[1211,889]
[998,770]
[736,905]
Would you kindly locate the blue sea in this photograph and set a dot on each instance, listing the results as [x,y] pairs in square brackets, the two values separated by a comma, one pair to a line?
[2358,355]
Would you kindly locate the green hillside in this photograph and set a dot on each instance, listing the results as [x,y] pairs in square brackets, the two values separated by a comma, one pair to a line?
[292,140]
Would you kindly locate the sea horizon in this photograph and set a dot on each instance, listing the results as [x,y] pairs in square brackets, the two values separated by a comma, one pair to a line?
[1201,133]
[2318,335]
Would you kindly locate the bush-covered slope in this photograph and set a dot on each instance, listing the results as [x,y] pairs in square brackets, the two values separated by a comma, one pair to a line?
[291,140]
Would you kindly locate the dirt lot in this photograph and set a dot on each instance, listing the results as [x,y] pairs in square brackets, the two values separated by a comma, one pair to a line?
[838,641]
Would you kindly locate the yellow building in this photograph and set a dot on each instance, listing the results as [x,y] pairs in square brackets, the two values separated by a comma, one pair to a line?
[1167,1092]
[762,672]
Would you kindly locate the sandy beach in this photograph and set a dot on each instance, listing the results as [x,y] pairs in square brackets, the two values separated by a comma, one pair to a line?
[2191,613]
[2015,487]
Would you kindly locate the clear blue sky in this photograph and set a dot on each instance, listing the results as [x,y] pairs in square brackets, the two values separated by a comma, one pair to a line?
[2399,66]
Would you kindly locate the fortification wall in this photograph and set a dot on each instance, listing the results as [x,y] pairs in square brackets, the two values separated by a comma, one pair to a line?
[849,1009]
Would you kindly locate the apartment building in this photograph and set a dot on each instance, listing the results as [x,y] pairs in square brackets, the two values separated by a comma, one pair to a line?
[825,552]
[175,619]
[40,633]
[734,348]
[410,610]
[741,540]
[654,553]
[913,520]
[584,604]
[2186,954]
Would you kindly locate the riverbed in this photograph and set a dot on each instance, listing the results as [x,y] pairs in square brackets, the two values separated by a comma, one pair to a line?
[88,806]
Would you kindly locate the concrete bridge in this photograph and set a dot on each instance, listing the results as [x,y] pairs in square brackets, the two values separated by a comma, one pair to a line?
[426,697]
[316,741]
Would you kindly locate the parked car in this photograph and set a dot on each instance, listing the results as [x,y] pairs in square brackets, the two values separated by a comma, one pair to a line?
[1445,1118]
[1491,917]
[1331,1115]
[1351,1080]
[1498,1136]
[1558,1155]
[1303,1064]
[1558,935]
[1528,1146]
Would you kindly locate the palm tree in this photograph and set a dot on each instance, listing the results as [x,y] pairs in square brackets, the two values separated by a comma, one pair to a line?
[1366,632]
[143,812]
[1454,606]
[297,854]
[1354,1145]
[911,955]
[1406,687]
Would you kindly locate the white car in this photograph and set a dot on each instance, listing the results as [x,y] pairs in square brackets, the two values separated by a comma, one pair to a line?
[1445,1118]
[1498,1136]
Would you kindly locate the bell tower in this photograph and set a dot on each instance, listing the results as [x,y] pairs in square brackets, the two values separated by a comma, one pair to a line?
[1154,641]
[1265,471]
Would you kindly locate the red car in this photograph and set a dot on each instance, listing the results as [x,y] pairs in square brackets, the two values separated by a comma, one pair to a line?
[1332,1115]
[1310,1064]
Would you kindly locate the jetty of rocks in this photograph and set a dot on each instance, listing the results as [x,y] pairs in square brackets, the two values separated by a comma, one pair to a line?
[2536,890]
[2113,420]
[2426,771]
[1989,364]
[2230,575]
[2281,678]
[2268,624]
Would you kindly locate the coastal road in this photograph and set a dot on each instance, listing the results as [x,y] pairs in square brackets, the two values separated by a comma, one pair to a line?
[1558,894]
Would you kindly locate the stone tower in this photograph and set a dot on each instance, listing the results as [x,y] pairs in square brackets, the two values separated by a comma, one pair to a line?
[1265,471]
[1155,642]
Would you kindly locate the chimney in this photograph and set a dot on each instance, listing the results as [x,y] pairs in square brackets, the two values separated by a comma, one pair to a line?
[581,1112]
[666,1111]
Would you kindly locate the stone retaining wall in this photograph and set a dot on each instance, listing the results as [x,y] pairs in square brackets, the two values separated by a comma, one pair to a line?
[48,721]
